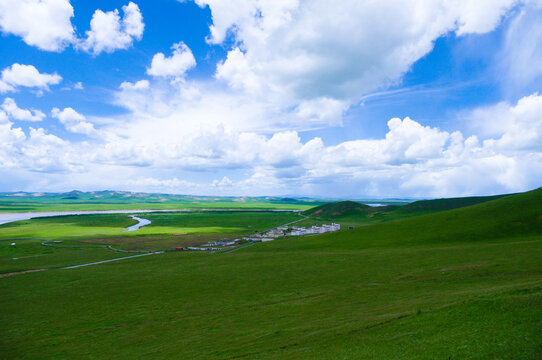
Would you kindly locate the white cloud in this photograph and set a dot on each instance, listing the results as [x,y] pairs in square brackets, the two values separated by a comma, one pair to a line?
[45,152]
[299,52]
[408,141]
[37,152]
[45,24]
[173,185]
[28,76]
[11,108]
[73,121]
[139,85]
[133,20]
[224,183]
[511,127]
[292,68]
[520,58]
[5,87]
[322,110]
[10,138]
[411,159]
[108,32]
[174,66]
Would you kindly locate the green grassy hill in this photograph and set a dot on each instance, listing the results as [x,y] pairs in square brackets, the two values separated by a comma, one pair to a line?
[457,284]
[506,217]
[353,213]
[446,204]
[337,209]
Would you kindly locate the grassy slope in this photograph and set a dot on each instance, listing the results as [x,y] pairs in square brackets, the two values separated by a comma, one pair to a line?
[446,204]
[353,213]
[461,284]
[350,213]
[337,209]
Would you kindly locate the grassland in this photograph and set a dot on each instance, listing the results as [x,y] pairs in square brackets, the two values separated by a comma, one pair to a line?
[167,231]
[457,284]
[350,213]
[118,200]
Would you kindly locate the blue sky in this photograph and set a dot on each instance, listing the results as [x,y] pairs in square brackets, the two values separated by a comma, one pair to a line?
[255,97]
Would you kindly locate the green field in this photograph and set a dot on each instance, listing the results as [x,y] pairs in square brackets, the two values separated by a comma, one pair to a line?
[167,231]
[350,213]
[119,200]
[464,283]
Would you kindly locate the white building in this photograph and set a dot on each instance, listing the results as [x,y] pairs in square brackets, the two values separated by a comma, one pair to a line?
[298,231]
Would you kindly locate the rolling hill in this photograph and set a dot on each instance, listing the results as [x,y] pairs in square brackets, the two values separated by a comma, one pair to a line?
[337,209]
[354,213]
[446,204]
[504,217]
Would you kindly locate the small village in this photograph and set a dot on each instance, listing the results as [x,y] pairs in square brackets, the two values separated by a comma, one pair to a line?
[270,235]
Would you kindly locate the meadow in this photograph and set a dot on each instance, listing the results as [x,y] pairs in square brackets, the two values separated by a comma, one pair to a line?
[464,283]
[119,200]
[83,235]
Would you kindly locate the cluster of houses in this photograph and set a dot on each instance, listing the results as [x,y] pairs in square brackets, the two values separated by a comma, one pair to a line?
[222,242]
[212,245]
[270,235]
[292,231]
[298,231]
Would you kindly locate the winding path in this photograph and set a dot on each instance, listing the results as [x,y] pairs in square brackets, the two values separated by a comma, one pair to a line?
[46,242]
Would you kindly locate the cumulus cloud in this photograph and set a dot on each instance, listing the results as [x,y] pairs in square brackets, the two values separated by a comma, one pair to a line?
[11,109]
[510,127]
[10,139]
[38,151]
[224,183]
[108,32]
[173,185]
[174,66]
[45,24]
[411,159]
[138,85]
[312,55]
[28,76]
[45,152]
[73,121]
[291,67]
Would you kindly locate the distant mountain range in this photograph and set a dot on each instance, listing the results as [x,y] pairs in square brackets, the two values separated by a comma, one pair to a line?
[161,197]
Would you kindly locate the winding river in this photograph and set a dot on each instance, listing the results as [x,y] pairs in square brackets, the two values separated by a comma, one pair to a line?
[142,222]
[11,217]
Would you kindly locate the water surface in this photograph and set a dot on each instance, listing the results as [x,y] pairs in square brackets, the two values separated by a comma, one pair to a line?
[142,222]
